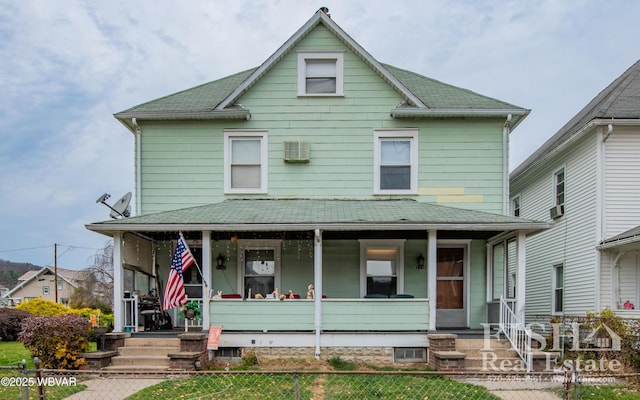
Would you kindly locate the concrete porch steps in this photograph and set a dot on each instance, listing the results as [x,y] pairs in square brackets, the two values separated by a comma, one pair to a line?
[490,355]
[144,354]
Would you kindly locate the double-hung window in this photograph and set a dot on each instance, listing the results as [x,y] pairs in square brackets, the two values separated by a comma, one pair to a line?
[396,162]
[245,159]
[515,206]
[320,73]
[558,289]
[558,179]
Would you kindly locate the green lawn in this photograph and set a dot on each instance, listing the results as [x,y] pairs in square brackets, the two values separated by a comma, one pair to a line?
[12,354]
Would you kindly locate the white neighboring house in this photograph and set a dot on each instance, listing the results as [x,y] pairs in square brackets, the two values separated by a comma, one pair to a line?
[42,284]
[586,179]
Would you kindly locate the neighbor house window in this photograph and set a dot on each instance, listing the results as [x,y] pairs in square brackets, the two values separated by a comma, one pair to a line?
[60,284]
[382,267]
[558,288]
[515,206]
[245,159]
[396,162]
[45,290]
[320,73]
[558,179]
[260,266]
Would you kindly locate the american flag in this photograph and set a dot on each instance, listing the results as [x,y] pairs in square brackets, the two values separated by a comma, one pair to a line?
[174,293]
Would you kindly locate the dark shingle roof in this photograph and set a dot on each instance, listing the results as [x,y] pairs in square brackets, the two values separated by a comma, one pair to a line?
[318,213]
[619,100]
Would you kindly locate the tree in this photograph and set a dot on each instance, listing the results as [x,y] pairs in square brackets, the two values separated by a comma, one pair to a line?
[96,288]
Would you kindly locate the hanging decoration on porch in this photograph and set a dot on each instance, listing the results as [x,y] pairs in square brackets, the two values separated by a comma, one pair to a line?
[191,310]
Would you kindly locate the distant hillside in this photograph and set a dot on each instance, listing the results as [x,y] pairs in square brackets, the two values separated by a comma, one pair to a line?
[11,271]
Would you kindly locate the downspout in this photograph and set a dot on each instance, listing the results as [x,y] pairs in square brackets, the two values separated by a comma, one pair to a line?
[506,129]
[138,143]
[317,293]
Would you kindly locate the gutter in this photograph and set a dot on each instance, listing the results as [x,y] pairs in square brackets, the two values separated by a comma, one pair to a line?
[531,227]
[619,242]
[506,129]
[138,144]
[241,114]
[407,112]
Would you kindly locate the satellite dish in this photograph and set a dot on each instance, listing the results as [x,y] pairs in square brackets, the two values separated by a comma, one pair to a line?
[121,207]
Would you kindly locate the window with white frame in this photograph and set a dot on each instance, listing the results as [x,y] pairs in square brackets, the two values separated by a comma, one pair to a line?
[45,290]
[382,267]
[396,162]
[60,284]
[558,288]
[245,159]
[259,262]
[515,206]
[558,179]
[320,73]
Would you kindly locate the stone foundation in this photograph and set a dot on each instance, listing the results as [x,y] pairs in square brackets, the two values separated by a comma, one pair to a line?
[365,355]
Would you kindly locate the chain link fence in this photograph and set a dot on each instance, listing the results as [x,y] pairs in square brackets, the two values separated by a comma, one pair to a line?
[22,383]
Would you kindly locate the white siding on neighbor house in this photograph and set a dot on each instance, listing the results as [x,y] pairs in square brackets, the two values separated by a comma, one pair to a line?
[607,299]
[622,181]
[572,240]
[628,282]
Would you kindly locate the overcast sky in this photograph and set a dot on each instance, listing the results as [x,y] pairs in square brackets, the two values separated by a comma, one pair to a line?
[67,66]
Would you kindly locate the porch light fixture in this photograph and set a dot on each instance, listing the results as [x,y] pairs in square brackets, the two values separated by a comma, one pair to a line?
[220,262]
[420,262]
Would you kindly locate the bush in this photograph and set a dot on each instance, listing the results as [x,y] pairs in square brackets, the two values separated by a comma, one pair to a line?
[10,322]
[342,365]
[56,340]
[40,307]
[101,318]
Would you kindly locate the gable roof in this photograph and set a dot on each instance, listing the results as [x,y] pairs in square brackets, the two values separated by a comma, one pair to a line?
[617,103]
[69,276]
[326,214]
[423,97]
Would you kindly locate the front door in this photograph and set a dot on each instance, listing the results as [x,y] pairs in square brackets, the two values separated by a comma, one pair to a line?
[450,300]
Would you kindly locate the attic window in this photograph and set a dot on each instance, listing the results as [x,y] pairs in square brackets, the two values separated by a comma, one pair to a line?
[320,73]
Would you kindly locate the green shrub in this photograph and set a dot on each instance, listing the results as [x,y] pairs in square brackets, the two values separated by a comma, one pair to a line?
[249,359]
[41,307]
[56,340]
[10,322]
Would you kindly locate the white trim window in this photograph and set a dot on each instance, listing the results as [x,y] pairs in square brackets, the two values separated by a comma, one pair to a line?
[245,161]
[259,266]
[395,162]
[558,187]
[45,290]
[515,206]
[320,73]
[381,267]
[557,282]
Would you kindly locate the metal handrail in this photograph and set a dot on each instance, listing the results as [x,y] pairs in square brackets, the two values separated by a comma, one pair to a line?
[516,332]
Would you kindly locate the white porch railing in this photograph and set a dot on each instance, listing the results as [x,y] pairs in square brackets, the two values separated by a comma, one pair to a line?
[130,313]
[516,331]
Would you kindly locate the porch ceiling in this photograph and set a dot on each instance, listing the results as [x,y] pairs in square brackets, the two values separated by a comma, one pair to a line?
[325,214]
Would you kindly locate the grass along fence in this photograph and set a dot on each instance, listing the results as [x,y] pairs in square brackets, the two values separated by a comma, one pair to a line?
[314,385]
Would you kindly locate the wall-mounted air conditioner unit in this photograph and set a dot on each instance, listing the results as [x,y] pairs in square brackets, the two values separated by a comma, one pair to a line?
[557,211]
[296,152]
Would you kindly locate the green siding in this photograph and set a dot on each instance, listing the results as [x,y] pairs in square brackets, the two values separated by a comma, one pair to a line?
[415,280]
[182,162]
[478,284]
[375,315]
[341,268]
[258,315]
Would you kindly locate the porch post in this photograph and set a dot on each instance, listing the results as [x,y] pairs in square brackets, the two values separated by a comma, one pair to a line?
[317,283]
[432,275]
[118,308]
[521,275]
[206,278]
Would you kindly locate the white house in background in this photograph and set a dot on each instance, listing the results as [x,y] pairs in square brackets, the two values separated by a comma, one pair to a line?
[586,179]
[42,284]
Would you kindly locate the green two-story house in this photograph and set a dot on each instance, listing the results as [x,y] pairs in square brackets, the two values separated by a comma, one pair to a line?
[385,190]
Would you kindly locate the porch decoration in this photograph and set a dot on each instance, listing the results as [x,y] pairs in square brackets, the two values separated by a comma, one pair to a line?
[191,310]
[310,289]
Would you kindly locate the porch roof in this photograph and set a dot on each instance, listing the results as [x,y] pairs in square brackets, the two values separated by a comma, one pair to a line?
[630,238]
[324,214]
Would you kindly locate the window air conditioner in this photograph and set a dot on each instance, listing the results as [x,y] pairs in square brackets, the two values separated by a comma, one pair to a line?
[296,152]
[557,211]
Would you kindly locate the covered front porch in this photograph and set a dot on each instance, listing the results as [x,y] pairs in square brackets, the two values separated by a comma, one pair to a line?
[620,273]
[367,271]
